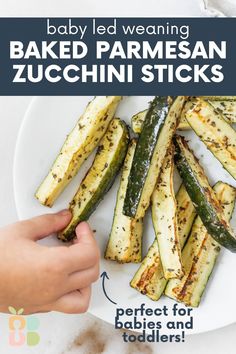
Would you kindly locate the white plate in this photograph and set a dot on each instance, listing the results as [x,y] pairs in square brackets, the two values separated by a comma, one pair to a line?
[43,131]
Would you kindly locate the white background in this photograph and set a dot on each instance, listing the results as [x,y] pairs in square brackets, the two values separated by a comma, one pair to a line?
[12,110]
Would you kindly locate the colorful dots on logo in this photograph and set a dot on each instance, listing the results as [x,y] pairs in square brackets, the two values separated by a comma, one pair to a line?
[23,330]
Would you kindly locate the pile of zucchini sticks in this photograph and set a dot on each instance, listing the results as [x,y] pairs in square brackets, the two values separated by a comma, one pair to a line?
[191,226]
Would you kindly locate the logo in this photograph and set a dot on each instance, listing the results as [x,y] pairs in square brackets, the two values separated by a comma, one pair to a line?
[23,330]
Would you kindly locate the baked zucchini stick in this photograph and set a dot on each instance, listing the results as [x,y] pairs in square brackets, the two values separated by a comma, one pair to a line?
[125,241]
[164,218]
[149,278]
[226,108]
[100,177]
[200,254]
[138,118]
[218,136]
[183,124]
[82,140]
[137,121]
[219,98]
[202,195]
[155,138]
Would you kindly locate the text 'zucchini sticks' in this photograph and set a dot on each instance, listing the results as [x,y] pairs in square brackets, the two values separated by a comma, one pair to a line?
[156,135]
[202,195]
[125,241]
[82,140]
[200,254]
[218,136]
[99,178]
[149,278]
[164,218]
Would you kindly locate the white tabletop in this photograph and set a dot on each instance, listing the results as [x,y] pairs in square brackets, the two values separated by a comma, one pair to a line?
[90,8]
[57,335]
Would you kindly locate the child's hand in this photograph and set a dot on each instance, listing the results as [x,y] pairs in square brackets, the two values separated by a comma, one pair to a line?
[40,278]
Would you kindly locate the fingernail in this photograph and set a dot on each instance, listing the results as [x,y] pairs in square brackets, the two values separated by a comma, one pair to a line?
[83,228]
[64,212]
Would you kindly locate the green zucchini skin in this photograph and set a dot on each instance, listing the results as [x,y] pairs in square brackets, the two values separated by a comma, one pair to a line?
[155,138]
[79,144]
[153,123]
[202,195]
[100,176]
[138,119]
[200,254]
[227,108]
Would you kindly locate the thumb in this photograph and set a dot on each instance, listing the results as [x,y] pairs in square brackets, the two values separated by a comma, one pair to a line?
[84,234]
[44,225]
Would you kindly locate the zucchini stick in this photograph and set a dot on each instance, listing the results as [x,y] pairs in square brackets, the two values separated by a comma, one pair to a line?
[219,98]
[100,177]
[202,195]
[226,108]
[164,217]
[125,241]
[149,278]
[82,140]
[137,121]
[218,136]
[200,254]
[155,138]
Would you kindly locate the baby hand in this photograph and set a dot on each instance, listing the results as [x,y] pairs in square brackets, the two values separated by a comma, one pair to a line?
[41,279]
